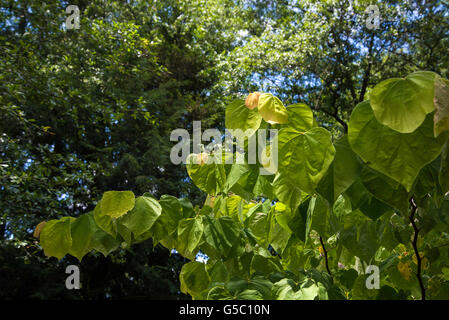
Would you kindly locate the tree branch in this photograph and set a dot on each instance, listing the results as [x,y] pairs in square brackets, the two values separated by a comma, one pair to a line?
[325,256]
[367,70]
[415,248]
[2,231]
[335,114]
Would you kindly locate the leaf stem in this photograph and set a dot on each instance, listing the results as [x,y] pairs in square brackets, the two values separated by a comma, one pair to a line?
[415,248]
[325,256]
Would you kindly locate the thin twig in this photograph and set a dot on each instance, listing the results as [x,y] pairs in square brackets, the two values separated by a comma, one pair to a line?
[415,248]
[325,256]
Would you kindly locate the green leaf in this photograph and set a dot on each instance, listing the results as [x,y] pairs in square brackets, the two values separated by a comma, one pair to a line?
[398,156]
[82,230]
[209,177]
[403,103]
[364,201]
[238,116]
[104,222]
[187,208]
[304,158]
[250,183]
[239,265]
[298,220]
[116,203]
[272,109]
[280,238]
[443,174]
[56,237]
[167,223]
[249,295]
[263,187]
[286,191]
[441,100]
[222,235]
[234,208]
[219,293]
[385,189]
[362,238]
[343,172]
[218,272]
[347,277]
[346,167]
[190,232]
[194,278]
[361,292]
[317,216]
[237,172]
[401,274]
[368,240]
[287,289]
[265,265]
[312,292]
[239,190]
[300,117]
[261,225]
[256,288]
[142,217]
[125,234]
[103,242]
[389,293]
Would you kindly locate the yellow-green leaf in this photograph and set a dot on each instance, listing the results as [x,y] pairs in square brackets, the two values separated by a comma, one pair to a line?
[116,203]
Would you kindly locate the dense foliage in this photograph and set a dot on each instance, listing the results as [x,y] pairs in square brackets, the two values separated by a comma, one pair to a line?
[376,196]
[72,105]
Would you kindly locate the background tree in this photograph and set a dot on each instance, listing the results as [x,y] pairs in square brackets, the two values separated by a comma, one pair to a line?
[322,52]
[90,110]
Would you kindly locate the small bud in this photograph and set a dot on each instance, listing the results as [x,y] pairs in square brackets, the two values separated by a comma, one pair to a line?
[202,158]
[252,101]
[38,229]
